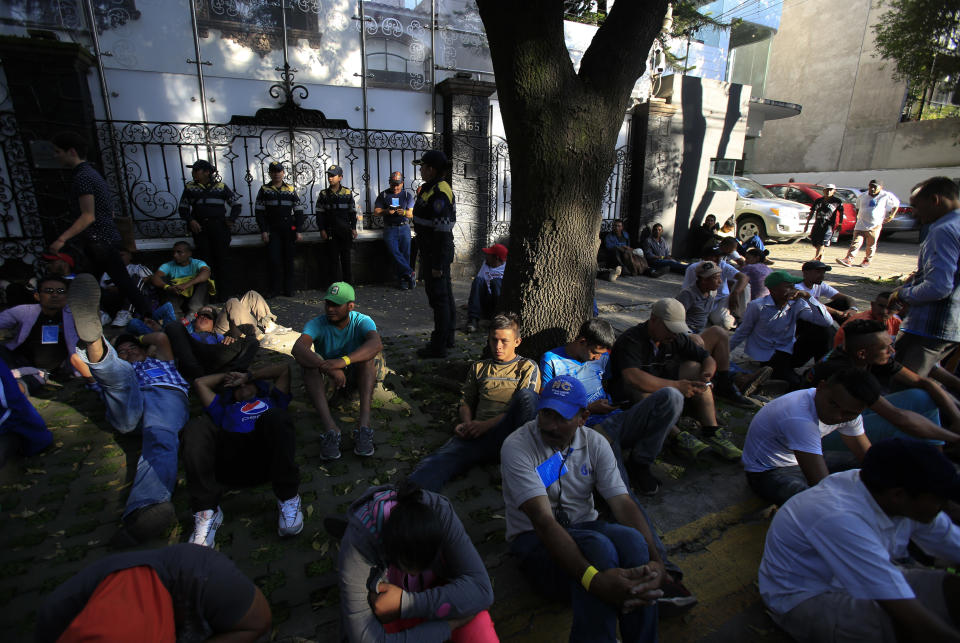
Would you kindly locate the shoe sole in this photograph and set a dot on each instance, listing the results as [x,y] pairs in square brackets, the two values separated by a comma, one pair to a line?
[364,454]
[212,531]
[759,379]
[289,533]
[84,301]
[330,458]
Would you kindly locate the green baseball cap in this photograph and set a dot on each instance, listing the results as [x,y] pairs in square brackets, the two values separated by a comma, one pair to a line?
[340,293]
[778,277]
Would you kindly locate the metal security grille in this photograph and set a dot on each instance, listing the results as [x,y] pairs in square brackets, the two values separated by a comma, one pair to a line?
[22,231]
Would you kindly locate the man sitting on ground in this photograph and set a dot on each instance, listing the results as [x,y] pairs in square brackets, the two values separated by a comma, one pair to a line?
[551,467]
[486,286]
[837,304]
[141,393]
[641,429]
[728,304]
[499,395]
[769,328]
[657,252]
[783,454]
[246,439]
[184,282]
[919,407]
[660,353]
[881,310]
[338,345]
[45,338]
[827,572]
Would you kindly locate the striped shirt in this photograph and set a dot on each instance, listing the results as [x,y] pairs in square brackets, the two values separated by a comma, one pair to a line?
[336,211]
[278,207]
[934,293]
[203,201]
[157,372]
[491,384]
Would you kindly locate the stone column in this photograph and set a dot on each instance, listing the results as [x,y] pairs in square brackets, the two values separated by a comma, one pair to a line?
[466,141]
[657,143]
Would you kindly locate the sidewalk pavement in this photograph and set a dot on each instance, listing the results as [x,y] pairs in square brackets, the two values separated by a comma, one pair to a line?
[60,508]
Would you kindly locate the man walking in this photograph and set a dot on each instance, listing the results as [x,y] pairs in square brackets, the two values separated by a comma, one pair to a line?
[932,329]
[874,207]
[280,219]
[434,216]
[827,215]
[91,206]
[337,220]
[203,205]
[395,205]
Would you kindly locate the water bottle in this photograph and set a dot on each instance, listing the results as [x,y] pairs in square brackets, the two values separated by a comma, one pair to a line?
[359,223]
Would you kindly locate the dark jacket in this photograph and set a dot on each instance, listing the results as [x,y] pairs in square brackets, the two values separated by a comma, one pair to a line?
[202,201]
[336,211]
[434,215]
[278,208]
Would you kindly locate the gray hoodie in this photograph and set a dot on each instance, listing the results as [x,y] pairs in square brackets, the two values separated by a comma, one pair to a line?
[467,590]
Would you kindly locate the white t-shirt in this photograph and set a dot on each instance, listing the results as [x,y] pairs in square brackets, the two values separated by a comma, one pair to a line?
[872,210]
[835,538]
[822,291]
[788,424]
[589,464]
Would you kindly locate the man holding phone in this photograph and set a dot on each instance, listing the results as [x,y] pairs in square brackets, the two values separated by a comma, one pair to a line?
[395,205]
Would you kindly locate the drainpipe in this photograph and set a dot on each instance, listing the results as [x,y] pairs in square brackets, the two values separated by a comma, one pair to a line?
[433,66]
[199,63]
[363,90]
[286,67]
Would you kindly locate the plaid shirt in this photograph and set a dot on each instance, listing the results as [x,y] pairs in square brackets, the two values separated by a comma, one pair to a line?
[934,293]
[156,372]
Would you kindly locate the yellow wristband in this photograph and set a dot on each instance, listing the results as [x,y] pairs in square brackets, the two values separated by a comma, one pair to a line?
[346,360]
[588,577]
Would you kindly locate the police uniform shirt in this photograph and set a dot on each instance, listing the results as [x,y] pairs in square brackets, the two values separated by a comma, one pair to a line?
[336,211]
[278,207]
[203,201]
[241,417]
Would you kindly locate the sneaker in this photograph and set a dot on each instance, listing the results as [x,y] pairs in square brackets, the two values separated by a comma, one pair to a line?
[675,594]
[471,326]
[687,445]
[291,518]
[643,481]
[122,319]
[757,380]
[722,446]
[613,274]
[105,318]
[83,297]
[363,441]
[864,263]
[728,391]
[205,524]
[844,262]
[330,446]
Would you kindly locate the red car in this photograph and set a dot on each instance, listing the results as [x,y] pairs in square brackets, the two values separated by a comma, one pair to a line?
[807,193]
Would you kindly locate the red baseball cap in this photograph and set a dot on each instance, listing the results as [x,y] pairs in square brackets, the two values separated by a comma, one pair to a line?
[59,256]
[497,249]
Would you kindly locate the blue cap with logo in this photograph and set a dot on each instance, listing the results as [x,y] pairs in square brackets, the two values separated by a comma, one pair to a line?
[565,395]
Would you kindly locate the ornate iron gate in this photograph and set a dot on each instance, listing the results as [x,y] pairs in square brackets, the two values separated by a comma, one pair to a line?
[19,214]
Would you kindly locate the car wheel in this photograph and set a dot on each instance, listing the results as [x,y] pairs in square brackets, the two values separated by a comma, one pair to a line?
[750,225]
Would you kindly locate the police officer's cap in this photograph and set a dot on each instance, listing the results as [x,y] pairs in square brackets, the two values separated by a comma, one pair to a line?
[202,164]
[275,167]
[434,158]
[334,170]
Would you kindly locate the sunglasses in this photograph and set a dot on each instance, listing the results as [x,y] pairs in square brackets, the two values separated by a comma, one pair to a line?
[52,291]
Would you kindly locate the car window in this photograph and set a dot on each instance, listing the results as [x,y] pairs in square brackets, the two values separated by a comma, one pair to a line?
[778,189]
[748,188]
[847,196]
[798,195]
[716,185]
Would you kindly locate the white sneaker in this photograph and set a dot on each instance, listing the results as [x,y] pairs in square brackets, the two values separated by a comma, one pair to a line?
[104,318]
[122,319]
[291,518]
[205,524]
[273,327]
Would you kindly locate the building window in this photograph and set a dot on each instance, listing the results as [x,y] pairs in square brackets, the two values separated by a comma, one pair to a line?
[67,14]
[396,63]
[258,24]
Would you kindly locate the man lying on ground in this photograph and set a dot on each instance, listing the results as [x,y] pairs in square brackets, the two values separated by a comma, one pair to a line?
[203,350]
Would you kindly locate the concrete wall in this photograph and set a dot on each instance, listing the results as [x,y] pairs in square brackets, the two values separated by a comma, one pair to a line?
[823,58]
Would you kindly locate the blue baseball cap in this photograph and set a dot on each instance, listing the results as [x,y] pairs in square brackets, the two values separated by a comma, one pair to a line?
[565,395]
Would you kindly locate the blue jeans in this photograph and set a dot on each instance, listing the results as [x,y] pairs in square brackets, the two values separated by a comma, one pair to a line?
[779,484]
[397,239]
[482,303]
[457,455]
[876,428]
[159,413]
[605,545]
[672,265]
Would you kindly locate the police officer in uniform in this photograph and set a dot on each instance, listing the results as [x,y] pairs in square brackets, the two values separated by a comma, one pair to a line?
[337,220]
[280,219]
[434,215]
[395,205]
[203,206]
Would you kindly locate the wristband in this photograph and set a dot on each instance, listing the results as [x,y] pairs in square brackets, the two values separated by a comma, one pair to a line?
[346,360]
[588,577]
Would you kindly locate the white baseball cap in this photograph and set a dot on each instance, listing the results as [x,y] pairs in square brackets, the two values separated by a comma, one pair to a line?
[830,186]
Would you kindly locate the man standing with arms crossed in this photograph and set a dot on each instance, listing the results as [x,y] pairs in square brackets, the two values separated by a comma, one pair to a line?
[395,205]
[91,205]
[874,208]
[434,216]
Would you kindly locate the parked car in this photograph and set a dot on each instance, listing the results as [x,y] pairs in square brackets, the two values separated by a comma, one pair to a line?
[807,193]
[759,211]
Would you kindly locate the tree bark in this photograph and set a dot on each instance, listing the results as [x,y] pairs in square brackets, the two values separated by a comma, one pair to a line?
[561,127]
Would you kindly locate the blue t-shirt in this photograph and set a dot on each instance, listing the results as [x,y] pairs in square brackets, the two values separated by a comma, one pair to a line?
[204,337]
[241,417]
[332,342]
[173,270]
[591,374]
[387,199]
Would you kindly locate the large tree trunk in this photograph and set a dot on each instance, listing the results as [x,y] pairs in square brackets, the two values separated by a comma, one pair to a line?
[561,129]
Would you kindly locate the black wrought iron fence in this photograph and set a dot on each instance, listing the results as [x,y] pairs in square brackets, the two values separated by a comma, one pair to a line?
[146,162]
[20,226]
